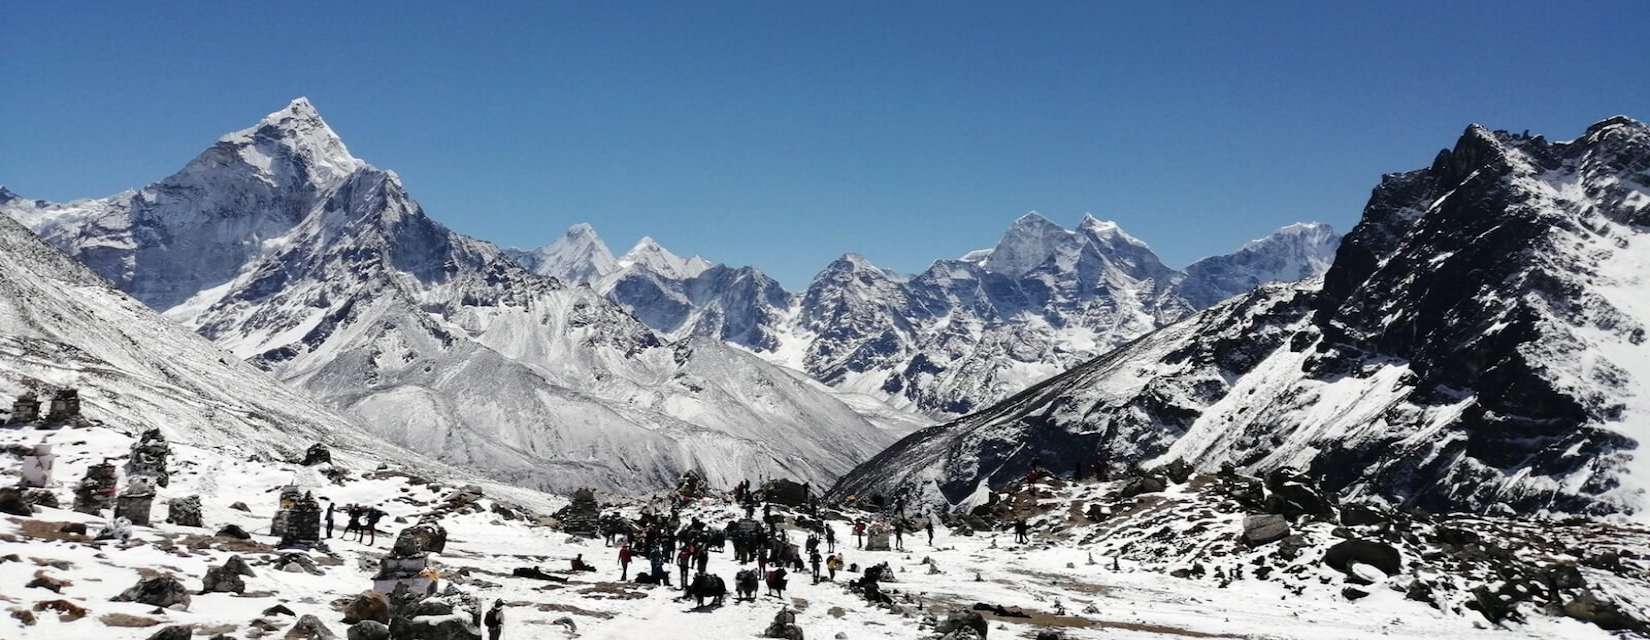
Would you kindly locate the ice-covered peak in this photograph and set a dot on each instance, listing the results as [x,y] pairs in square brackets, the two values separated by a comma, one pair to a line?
[292,142]
[649,254]
[1027,244]
[6,195]
[578,256]
[1106,231]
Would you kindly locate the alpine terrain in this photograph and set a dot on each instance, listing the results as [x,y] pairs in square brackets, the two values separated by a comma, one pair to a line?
[1478,344]
[284,249]
[962,334]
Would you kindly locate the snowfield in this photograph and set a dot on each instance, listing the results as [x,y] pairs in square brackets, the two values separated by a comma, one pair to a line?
[1067,567]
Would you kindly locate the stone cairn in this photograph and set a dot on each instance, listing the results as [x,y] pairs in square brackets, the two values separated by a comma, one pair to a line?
[96,491]
[148,459]
[583,517]
[408,564]
[65,405]
[25,410]
[37,467]
[290,495]
[134,503]
[303,524]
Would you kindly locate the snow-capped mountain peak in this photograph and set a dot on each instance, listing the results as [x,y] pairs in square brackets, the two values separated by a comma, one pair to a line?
[295,134]
[576,257]
[1027,244]
[648,253]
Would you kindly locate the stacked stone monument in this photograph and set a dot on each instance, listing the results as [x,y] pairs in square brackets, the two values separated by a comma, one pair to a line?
[96,492]
[290,495]
[583,516]
[25,410]
[135,502]
[148,459]
[303,524]
[408,564]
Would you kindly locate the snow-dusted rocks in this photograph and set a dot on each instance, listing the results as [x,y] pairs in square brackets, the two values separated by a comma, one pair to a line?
[1478,344]
[285,250]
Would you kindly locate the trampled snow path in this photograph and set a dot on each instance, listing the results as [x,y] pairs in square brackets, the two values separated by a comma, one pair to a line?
[484,547]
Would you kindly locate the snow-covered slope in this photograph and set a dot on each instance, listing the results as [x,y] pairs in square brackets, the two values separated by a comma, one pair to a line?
[1478,344]
[282,248]
[61,326]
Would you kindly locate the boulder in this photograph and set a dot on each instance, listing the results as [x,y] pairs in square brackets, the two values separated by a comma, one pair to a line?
[1362,515]
[184,512]
[162,591]
[1265,528]
[1177,471]
[424,537]
[240,506]
[317,454]
[368,605]
[1293,494]
[1380,555]
[784,626]
[1143,484]
[369,630]
[310,627]
[234,531]
[222,580]
[1607,615]
[961,619]
[41,497]
[12,502]
[174,632]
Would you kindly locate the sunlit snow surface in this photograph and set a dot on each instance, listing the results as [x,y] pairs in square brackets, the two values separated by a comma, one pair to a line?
[1137,601]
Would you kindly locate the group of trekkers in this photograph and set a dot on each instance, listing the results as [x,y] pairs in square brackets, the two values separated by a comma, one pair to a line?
[363,522]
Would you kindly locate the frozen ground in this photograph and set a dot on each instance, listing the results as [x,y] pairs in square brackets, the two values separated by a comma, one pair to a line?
[1137,600]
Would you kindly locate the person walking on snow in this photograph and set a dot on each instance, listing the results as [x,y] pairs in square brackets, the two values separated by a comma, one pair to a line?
[830,539]
[859,534]
[899,534]
[1020,531]
[624,561]
[813,559]
[331,507]
[928,526]
[495,620]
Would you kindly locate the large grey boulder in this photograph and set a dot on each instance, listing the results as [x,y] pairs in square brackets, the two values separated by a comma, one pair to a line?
[1264,528]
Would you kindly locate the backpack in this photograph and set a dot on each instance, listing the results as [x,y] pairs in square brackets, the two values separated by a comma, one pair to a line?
[494,618]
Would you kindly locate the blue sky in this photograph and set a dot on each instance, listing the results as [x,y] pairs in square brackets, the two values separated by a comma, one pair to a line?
[784,134]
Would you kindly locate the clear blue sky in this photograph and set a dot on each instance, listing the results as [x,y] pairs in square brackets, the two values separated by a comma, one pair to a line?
[782,135]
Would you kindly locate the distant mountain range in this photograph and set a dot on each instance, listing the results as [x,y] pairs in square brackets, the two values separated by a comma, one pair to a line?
[962,334]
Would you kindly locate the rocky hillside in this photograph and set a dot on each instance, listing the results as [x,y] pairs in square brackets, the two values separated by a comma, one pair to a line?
[1477,345]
